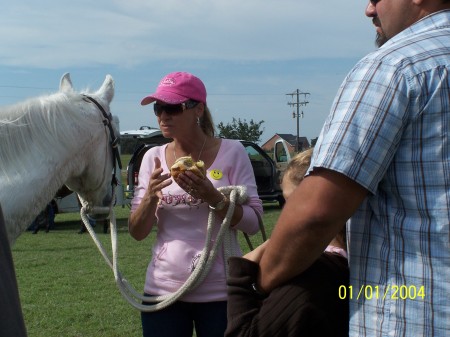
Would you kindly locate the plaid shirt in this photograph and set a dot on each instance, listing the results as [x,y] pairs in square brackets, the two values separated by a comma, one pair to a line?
[389,130]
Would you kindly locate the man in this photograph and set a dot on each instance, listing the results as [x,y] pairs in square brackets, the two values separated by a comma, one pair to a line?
[382,160]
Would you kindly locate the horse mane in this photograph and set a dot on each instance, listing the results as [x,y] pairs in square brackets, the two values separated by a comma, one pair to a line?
[31,127]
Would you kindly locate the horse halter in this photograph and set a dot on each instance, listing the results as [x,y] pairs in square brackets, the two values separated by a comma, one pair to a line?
[114,140]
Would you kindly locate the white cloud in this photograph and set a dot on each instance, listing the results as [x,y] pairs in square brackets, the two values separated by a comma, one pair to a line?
[51,34]
[249,53]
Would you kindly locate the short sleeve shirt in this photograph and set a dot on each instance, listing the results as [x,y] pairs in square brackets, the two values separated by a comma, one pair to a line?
[389,130]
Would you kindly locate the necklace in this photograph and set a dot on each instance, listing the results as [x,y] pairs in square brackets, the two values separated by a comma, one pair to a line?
[199,154]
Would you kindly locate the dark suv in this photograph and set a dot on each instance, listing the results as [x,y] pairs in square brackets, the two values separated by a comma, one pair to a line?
[266,174]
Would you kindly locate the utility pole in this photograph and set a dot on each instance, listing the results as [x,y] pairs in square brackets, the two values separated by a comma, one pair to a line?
[298,104]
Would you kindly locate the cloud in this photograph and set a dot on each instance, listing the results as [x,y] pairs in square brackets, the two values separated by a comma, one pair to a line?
[249,53]
[52,34]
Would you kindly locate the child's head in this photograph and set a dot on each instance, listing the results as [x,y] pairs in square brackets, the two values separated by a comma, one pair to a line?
[295,171]
[293,176]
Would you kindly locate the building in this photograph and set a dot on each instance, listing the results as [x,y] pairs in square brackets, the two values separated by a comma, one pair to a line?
[290,139]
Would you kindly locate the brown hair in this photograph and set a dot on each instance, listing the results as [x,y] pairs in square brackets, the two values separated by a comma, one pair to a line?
[206,122]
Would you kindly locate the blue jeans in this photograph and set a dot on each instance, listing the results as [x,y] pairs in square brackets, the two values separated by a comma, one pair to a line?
[180,318]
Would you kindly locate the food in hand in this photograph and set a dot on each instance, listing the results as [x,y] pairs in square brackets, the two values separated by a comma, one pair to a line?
[186,163]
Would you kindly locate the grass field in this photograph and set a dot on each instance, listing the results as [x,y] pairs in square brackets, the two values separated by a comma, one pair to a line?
[67,289]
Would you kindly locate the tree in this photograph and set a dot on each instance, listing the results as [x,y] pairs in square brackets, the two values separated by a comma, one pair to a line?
[239,129]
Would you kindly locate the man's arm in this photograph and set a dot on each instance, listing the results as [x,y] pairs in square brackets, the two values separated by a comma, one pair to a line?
[311,218]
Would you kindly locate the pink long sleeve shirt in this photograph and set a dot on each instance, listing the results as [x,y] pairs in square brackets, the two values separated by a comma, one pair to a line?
[182,223]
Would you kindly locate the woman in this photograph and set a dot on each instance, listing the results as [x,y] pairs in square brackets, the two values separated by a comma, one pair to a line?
[180,208]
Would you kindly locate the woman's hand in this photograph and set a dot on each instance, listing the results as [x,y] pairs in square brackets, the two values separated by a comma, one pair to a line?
[158,181]
[202,188]
[199,188]
[142,219]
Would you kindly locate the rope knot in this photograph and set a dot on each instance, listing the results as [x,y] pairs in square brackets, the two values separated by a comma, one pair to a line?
[237,194]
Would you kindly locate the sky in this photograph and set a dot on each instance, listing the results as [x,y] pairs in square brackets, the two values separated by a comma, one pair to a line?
[249,53]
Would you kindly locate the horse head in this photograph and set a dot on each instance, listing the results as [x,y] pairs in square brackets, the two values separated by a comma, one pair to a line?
[66,138]
[94,178]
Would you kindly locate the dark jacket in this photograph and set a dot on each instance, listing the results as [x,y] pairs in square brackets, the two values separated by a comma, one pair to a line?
[308,305]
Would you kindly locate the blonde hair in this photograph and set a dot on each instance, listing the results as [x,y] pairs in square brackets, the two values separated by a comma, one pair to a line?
[296,170]
[297,167]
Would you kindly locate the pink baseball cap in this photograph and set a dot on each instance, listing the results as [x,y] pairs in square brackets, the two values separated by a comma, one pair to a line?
[176,88]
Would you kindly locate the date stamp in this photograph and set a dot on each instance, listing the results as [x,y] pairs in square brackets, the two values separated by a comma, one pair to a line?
[391,291]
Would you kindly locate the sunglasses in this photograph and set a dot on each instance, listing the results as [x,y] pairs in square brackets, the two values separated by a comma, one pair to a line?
[374,2]
[173,109]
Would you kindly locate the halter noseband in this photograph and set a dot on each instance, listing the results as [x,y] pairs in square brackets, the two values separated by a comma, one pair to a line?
[114,140]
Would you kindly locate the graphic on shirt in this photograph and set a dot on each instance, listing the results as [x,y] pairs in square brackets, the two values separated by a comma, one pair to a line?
[179,199]
[216,174]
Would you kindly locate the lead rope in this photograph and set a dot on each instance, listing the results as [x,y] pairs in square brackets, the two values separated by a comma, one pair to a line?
[237,195]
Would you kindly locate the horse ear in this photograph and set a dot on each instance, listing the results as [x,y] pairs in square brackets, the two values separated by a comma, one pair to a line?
[66,84]
[106,91]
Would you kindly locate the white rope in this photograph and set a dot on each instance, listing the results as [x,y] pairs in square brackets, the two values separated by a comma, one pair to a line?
[236,195]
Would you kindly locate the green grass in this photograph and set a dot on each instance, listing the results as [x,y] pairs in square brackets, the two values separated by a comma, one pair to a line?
[67,289]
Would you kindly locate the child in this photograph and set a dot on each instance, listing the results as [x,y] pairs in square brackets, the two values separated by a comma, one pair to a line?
[308,305]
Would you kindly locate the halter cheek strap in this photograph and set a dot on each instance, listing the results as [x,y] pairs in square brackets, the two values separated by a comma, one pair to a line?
[114,140]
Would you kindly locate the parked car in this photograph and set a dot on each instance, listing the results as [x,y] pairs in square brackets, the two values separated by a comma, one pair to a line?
[268,177]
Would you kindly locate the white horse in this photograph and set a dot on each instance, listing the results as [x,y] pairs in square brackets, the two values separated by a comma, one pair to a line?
[49,141]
